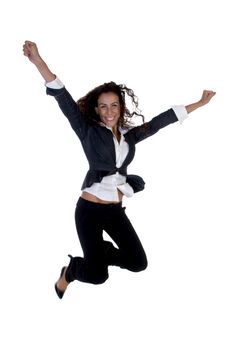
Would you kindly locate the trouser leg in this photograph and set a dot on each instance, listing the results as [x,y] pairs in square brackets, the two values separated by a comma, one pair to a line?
[92,267]
[130,253]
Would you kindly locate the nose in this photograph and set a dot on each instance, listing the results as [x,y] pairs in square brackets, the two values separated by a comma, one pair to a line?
[110,112]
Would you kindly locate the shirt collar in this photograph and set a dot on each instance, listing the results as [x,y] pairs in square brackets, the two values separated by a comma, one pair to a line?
[121,130]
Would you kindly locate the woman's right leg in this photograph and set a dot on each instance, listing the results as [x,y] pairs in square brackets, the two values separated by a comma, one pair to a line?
[92,268]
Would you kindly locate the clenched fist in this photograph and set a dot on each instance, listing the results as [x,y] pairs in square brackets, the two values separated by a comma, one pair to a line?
[30,50]
[206,96]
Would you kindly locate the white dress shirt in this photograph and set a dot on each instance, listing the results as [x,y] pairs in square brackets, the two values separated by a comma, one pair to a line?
[108,188]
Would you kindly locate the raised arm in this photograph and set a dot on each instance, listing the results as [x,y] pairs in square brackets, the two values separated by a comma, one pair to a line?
[174,114]
[65,101]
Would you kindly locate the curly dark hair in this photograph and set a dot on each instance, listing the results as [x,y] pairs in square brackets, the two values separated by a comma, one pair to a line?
[88,103]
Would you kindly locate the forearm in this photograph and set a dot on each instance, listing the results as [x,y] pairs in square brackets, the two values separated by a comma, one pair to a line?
[193,106]
[44,70]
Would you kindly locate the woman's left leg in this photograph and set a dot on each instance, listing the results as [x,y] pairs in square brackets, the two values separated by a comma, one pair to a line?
[130,253]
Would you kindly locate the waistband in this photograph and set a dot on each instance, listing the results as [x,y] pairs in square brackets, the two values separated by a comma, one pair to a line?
[99,205]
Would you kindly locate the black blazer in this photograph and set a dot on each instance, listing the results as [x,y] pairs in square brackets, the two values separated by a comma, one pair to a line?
[97,140]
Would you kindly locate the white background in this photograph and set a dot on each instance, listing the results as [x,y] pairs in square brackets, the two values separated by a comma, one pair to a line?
[168,52]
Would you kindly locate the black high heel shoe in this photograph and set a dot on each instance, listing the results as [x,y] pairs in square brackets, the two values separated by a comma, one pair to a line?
[67,272]
[60,292]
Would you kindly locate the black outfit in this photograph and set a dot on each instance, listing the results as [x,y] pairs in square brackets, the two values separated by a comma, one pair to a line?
[92,218]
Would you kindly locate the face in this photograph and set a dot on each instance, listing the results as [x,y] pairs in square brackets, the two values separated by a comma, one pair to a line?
[109,109]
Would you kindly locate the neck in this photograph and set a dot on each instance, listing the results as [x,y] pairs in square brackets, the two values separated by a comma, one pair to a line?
[116,132]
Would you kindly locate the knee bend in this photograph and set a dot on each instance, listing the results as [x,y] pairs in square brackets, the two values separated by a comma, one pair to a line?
[98,279]
[139,265]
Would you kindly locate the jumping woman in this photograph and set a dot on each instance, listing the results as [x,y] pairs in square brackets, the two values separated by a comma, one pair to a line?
[103,124]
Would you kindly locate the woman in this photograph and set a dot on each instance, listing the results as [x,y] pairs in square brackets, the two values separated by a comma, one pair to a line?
[102,122]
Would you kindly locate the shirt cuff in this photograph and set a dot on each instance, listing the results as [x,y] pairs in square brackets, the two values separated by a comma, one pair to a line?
[180,112]
[55,84]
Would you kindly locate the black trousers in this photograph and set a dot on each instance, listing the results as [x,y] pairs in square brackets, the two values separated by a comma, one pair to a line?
[91,220]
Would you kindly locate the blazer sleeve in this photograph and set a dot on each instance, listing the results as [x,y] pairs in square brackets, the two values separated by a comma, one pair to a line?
[70,109]
[147,129]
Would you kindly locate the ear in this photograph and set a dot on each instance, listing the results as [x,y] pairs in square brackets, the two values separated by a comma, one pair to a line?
[96,110]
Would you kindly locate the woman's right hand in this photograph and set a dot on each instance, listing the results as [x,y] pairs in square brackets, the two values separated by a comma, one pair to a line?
[30,50]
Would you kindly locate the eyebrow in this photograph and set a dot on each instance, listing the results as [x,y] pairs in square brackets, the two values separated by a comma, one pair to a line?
[103,103]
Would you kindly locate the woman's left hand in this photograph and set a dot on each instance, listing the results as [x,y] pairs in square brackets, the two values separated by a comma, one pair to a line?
[206,97]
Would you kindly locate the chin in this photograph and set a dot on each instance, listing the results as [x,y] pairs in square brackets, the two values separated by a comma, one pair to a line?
[110,123]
